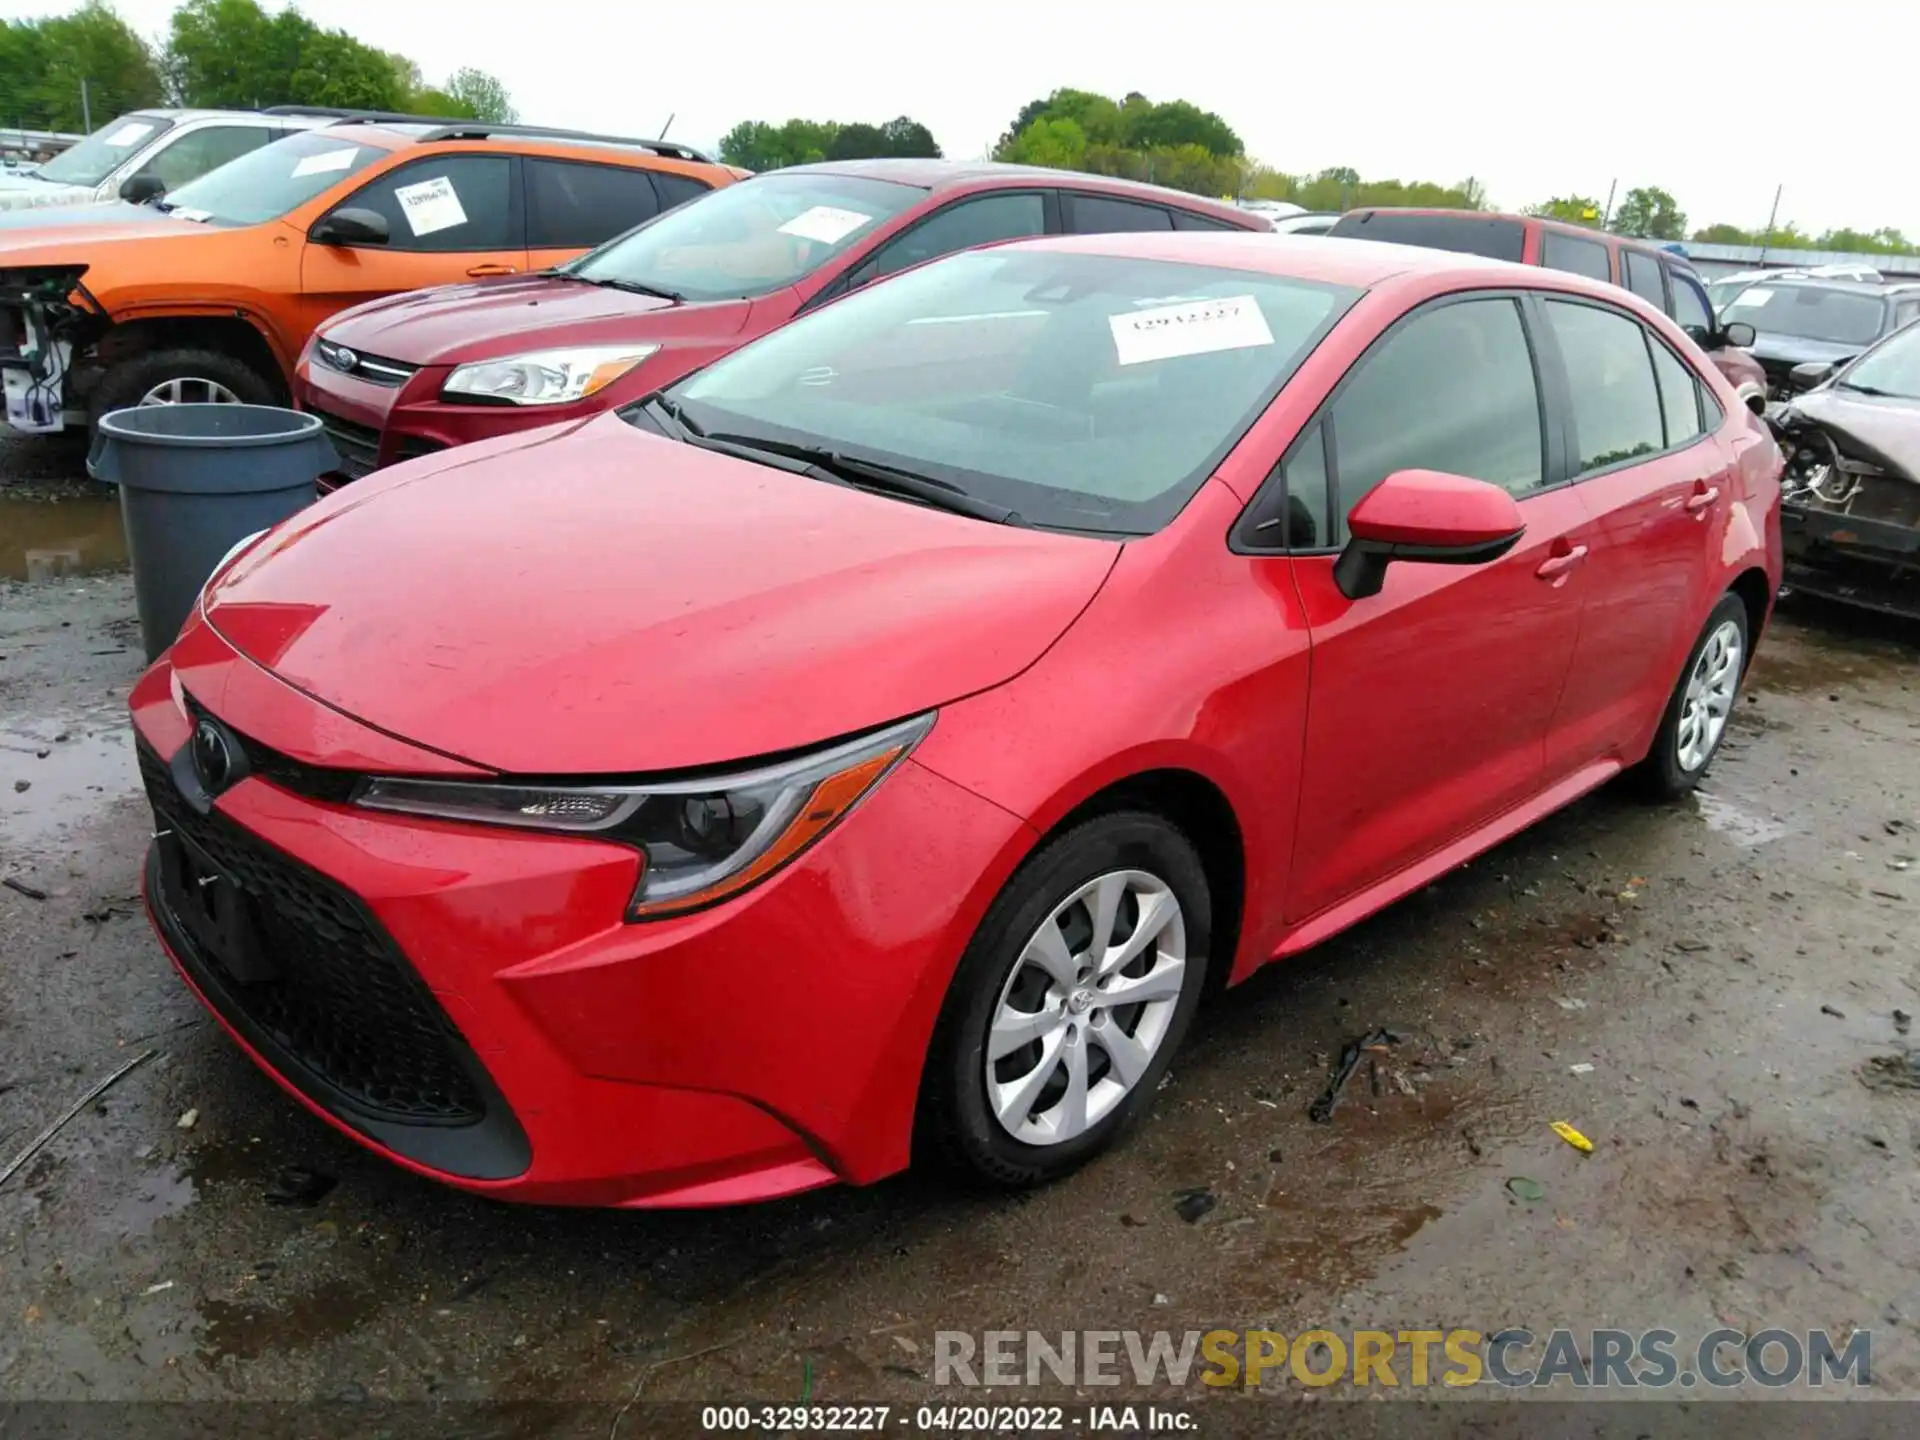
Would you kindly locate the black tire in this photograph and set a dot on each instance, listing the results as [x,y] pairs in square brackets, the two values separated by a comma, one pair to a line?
[127,381]
[1661,776]
[957,1127]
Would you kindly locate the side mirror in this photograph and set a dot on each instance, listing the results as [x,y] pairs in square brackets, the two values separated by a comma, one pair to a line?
[1739,334]
[1812,373]
[139,189]
[1424,515]
[350,227]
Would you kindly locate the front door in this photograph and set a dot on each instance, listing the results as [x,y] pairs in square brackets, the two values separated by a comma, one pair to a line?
[1429,703]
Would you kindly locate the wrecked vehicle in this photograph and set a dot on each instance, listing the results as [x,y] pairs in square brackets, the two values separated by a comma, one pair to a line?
[212,293]
[1850,512]
[1797,322]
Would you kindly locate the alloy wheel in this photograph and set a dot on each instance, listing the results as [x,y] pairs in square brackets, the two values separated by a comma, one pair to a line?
[1709,698]
[189,390]
[1086,1006]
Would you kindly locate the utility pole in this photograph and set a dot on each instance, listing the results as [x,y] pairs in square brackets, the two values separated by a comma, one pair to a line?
[86,109]
[1772,215]
[668,126]
[1606,215]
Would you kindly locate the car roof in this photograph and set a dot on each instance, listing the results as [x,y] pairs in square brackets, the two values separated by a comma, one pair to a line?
[397,133]
[1828,282]
[941,175]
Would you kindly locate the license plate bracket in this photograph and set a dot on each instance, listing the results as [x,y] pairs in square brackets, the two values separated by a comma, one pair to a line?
[216,911]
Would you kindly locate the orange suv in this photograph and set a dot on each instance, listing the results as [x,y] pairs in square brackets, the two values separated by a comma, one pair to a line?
[212,295]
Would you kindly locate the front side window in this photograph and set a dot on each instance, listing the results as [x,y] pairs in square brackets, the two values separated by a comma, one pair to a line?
[1104,215]
[1453,389]
[1086,392]
[265,184]
[1810,312]
[104,151]
[1574,255]
[574,205]
[979,221]
[1616,406]
[1643,277]
[1691,312]
[199,152]
[445,203]
[749,239]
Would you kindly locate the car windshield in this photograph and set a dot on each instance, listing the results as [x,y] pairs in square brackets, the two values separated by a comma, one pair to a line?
[265,184]
[748,239]
[1085,392]
[1891,368]
[104,151]
[1809,312]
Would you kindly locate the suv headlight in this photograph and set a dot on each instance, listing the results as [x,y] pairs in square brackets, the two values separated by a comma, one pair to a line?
[545,377]
[700,841]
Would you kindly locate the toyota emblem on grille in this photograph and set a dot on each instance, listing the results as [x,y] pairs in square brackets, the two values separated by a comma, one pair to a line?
[212,757]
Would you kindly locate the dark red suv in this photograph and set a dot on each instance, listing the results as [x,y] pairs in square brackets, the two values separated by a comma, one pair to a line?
[416,373]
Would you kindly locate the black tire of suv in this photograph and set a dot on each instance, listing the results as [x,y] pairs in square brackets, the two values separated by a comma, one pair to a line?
[956,1129]
[1660,776]
[125,382]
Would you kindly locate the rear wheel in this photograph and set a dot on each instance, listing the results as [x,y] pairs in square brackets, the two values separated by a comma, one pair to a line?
[181,376]
[1696,717]
[1067,1007]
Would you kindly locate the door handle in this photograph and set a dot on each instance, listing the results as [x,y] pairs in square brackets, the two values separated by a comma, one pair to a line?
[477,271]
[1555,566]
[1702,498]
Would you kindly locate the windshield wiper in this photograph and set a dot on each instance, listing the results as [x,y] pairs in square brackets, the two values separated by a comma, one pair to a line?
[883,479]
[633,287]
[1873,390]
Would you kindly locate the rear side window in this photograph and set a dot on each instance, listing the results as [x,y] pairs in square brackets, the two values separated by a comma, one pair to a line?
[1463,234]
[576,205]
[1187,220]
[1453,390]
[1690,309]
[979,221]
[1679,395]
[1102,215]
[1643,277]
[447,203]
[677,189]
[1574,255]
[1617,413]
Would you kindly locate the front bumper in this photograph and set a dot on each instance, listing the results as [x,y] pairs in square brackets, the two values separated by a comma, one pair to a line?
[471,1003]
[1874,564]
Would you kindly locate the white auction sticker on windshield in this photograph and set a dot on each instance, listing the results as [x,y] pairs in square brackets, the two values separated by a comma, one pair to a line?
[325,162]
[825,223]
[1754,295]
[1199,327]
[131,133]
[431,205]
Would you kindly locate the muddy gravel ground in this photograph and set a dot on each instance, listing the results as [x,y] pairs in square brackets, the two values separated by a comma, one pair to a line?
[1714,992]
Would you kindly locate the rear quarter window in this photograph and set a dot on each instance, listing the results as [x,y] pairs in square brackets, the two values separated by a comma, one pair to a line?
[1575,255]
[1463,234]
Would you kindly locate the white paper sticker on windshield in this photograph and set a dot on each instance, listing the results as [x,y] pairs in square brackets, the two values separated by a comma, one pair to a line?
[431,205]
[131,133]
[825,223]
[1200,327]
[1753,295]
[325,162]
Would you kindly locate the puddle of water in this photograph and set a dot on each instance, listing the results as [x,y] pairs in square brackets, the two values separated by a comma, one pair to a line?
[160,1194]
[72,764]
[1746,828]
[247,1332]
[51,539]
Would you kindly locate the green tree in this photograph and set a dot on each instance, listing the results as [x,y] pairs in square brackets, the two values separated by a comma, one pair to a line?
[1725,235]
[1650,213]
[43,62]
[907,137]
[482,96]
[337,70]
[1178,123]
[1575,209]
[231,53]
[857,142]
[758,145]
[1058,143]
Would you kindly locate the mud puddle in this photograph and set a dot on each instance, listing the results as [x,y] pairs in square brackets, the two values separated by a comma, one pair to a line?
[62,767]
[58,535]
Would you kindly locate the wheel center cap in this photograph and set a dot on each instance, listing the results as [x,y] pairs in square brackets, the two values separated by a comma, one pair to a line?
[1080,1002]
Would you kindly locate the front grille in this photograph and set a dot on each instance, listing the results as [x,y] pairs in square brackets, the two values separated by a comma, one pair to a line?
[374,369]
[316,782]
[342,1016]
[358,446]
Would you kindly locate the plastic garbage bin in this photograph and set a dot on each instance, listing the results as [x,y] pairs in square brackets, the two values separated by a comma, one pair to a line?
[195,480]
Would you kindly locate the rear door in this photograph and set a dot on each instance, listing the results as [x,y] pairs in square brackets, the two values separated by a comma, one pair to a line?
[1657,480]
[573,205]
[449,217]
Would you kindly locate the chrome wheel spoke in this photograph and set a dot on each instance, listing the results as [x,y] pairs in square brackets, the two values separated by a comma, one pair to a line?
[1070,1115]
[1013,1029]
[1129,1057]
[1049,950]
[1156,910]
[1104,907]
[1163,982]
[1013,1101]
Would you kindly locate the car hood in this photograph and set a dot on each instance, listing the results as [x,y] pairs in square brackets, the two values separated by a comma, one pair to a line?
[20,191]
[1881,430]
[593,599]
[76,234]
[111,212]
[456,324]
[1792,350]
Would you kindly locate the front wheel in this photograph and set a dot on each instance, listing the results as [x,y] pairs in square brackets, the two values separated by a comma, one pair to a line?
[182,376]
[1696,716]
[1067,1007]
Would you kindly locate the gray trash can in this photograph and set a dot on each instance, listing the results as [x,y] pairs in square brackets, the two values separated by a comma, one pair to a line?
[194,481]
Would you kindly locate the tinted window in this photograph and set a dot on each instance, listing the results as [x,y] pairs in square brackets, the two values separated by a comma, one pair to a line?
[1100,215]
[1643,277]
[1906,311]
[1679,395]
[198,151]
[581,205]
[1577,256]
[265,184]
[1090,392]
[1465,234]
[1308,493]
[677,189]
[1690,309]
[960,227]
[450,202]
[1616,408]
[1453,390]
[1810,312]
[1187,220]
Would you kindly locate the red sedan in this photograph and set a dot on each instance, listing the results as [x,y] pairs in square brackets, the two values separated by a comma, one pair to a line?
[878,741]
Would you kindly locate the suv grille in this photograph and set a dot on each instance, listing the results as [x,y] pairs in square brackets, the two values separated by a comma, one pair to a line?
[343,1015]
[371,368]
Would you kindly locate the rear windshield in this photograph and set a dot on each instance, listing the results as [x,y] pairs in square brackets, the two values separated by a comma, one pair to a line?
[265,184]
[748,239]
[104,151]
[1087,392]
[1809,312]
[1464,234]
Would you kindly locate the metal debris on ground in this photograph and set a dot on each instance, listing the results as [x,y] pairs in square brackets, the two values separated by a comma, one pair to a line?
[1374,1044]
[34,1145]
[1573,1137]
[20,887]
[1834,1011]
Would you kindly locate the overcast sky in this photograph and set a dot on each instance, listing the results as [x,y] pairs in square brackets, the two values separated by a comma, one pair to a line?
[1718,103]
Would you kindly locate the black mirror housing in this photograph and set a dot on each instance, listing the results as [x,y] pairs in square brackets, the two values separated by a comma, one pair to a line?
[139,189]
[1810,374]
[350,227]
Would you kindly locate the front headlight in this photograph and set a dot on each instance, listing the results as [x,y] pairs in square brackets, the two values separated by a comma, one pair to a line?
[545,377]
[700,840]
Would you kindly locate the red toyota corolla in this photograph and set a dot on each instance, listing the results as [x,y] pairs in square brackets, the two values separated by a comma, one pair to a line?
[879,740]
